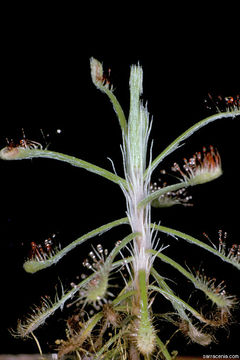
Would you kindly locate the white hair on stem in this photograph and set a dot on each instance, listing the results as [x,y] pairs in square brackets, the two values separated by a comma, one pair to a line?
[134,160]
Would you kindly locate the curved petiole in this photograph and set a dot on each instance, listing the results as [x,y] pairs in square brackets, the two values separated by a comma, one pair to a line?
[35,265]
[174,145]
[20,153]
[192,240]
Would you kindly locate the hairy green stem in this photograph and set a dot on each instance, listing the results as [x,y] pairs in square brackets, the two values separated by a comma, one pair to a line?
[135,122]
[145,333]
[133,301]
[144,296]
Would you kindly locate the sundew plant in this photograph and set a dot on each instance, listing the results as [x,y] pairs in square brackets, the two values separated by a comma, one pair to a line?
[114,314]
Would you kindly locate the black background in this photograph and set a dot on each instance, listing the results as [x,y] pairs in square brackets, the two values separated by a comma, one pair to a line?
[46,85]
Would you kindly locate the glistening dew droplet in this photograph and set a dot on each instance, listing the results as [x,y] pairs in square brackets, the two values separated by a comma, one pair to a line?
[201,167]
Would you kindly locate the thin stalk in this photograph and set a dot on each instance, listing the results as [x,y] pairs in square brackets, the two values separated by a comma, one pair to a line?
[103,85]
[39,315]
[197,242]
[107,345]
[20,153]
[91,323]
[156,194]
[118,109]
[162,284]
[174,145]
[37,343]
[171,297]
[35,265]
[163,348]
[173,263]
[207,286]
[85,332]
[123,297]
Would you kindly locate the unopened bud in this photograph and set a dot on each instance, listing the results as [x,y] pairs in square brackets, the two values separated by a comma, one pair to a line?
[96,72]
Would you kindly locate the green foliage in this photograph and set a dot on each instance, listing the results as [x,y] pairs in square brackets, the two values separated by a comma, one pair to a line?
[129,312]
